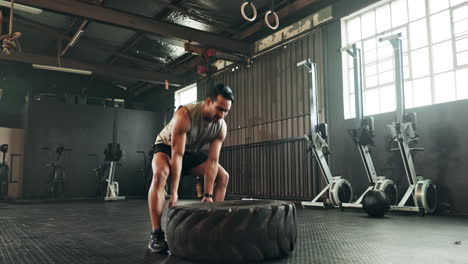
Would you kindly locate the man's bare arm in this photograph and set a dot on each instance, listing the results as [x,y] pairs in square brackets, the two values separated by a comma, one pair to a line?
[213,158]
[179,134]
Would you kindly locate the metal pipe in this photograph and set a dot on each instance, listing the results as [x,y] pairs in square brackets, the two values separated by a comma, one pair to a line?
[312,68]
[358,91]
[75,37]
[396,42]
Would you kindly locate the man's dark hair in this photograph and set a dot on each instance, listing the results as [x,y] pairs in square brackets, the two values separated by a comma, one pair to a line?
[221,89]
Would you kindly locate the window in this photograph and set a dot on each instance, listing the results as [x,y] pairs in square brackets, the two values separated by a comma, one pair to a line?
[185,95]
[435,53]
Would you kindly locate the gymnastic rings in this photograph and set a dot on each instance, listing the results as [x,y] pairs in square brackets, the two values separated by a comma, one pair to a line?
[254,10]
[268,22]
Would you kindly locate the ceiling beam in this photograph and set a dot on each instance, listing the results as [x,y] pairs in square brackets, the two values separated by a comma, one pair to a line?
[100,69]
[194,49]
[189,65]
[140,23]
[288,10]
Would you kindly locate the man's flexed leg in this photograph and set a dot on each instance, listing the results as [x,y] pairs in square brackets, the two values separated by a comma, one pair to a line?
[156,198]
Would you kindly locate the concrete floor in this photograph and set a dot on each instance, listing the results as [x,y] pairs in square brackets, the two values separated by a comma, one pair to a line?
[117,232]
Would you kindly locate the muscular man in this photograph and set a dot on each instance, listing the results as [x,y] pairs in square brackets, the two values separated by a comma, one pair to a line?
[178,149]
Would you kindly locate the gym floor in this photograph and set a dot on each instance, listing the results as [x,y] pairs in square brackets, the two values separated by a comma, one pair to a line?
[117,232]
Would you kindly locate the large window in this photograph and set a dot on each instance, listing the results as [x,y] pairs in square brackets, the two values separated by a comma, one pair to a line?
[435,53]
[185,95]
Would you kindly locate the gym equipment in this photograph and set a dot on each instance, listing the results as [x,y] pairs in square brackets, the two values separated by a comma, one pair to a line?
[376,203]
[402,131]
[113,154]
[57,175]
[4,173]
[99,173]
[254,10]
[275,16]
[232,231]
[12,159]
[339,190]
[363,136]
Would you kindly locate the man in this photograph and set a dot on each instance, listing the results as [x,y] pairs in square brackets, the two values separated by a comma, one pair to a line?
[178,148]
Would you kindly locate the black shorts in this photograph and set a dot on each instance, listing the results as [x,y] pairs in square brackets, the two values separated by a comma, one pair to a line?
[190,160]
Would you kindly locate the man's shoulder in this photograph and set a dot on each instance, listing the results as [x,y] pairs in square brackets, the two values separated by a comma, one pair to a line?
[183,118]
[193,105]
[182,110]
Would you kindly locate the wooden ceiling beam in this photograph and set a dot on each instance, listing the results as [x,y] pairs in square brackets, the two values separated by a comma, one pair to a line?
[194,49]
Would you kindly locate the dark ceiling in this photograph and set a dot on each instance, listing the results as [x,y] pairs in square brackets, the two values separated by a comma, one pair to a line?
[105,44]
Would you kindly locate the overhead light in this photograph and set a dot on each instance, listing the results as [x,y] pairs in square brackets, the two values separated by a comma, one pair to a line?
[21,7]
[53,68]
[76,37]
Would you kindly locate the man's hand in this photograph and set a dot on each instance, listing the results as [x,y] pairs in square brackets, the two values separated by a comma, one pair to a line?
[173,200]
[207,200]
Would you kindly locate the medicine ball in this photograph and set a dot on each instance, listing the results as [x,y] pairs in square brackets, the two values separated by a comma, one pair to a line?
[376,203]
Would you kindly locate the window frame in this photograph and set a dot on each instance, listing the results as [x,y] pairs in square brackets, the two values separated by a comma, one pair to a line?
[347,67]
[182,90]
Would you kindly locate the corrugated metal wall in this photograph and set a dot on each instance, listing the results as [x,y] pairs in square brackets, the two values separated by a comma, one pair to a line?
[272,103]
[280,169]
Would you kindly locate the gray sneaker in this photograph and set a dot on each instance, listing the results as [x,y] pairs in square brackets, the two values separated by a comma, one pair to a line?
[157,243]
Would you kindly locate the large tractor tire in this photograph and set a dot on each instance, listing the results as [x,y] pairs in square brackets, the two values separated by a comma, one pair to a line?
[232,231]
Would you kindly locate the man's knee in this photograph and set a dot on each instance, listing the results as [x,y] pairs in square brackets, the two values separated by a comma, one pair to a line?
[223,177]
[160,178]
